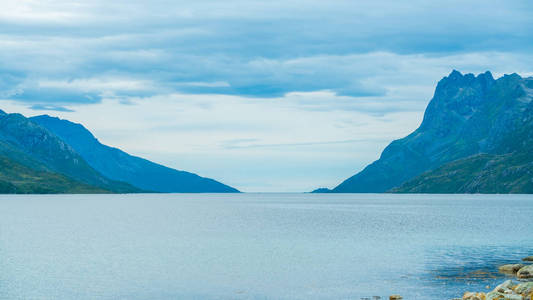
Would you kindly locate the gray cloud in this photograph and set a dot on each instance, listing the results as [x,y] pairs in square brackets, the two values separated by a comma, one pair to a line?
[257,49]
[50,107]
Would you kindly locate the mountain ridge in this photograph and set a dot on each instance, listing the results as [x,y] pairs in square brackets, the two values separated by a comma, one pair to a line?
[45,154]
[467,115]
[119,165]
[31,145]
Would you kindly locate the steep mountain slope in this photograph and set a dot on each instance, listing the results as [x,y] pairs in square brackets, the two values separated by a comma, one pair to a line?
[468,115]
[16,178]
[31,145]
[511,172]
[119,165]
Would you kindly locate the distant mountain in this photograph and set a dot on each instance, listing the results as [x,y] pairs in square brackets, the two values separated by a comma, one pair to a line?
[119,165]
[45,158]
[468,115]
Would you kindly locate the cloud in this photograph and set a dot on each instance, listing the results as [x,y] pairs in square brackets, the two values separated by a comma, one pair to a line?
[248,47]
[376,75]
[50,108]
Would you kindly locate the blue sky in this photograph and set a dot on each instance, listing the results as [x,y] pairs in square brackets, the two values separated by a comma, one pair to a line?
[265,96]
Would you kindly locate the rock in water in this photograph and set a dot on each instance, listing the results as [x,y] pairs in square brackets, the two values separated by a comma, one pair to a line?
[395,297]
[508,290]
[506,287]
[496,296]
[529,258]
[473,296]
[510,268]
[525,272]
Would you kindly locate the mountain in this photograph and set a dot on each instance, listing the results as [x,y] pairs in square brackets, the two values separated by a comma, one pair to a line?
[119,165]
[468,115]
[31,145]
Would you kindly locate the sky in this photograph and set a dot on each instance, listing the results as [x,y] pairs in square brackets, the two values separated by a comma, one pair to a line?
[266,96]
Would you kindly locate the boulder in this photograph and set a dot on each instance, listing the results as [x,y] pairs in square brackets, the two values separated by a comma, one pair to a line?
[529,258]
[510,268]
[524,288]
[473,296]
[525,272]
[395,297]
[506,287]
[494,295]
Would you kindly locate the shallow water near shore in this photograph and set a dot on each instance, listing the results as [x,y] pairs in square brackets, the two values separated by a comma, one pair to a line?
[258,246]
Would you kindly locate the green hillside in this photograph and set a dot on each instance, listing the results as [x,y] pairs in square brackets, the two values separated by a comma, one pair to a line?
[16,178]
[33,147]
[482,173]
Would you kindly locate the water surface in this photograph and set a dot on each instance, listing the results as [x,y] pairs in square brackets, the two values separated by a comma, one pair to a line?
[258,246]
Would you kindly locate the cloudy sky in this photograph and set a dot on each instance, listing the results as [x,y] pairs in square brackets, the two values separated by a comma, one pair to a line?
[262,95]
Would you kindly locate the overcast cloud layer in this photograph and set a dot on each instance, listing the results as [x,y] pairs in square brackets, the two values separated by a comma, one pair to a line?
[265,96]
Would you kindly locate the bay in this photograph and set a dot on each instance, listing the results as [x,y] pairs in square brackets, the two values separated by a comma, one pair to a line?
[258,246]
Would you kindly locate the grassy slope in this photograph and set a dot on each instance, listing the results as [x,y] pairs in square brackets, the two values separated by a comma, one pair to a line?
[16,178]
[482,173]
[34,147]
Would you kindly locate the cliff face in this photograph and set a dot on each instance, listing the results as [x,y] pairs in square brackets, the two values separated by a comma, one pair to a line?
[467,115]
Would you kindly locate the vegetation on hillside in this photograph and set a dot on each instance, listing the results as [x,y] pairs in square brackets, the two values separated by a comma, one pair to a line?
[16,178]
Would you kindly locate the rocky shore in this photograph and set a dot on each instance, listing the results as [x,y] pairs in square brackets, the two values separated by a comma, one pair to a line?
[519,289]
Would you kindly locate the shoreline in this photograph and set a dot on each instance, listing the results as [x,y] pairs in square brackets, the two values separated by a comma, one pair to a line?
[521,288]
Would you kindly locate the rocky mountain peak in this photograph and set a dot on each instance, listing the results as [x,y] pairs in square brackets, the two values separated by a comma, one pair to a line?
[468,115]
[457,98]
[486,77]
[453,83]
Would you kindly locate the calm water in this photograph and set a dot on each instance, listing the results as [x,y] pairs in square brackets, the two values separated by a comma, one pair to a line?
[257,246]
